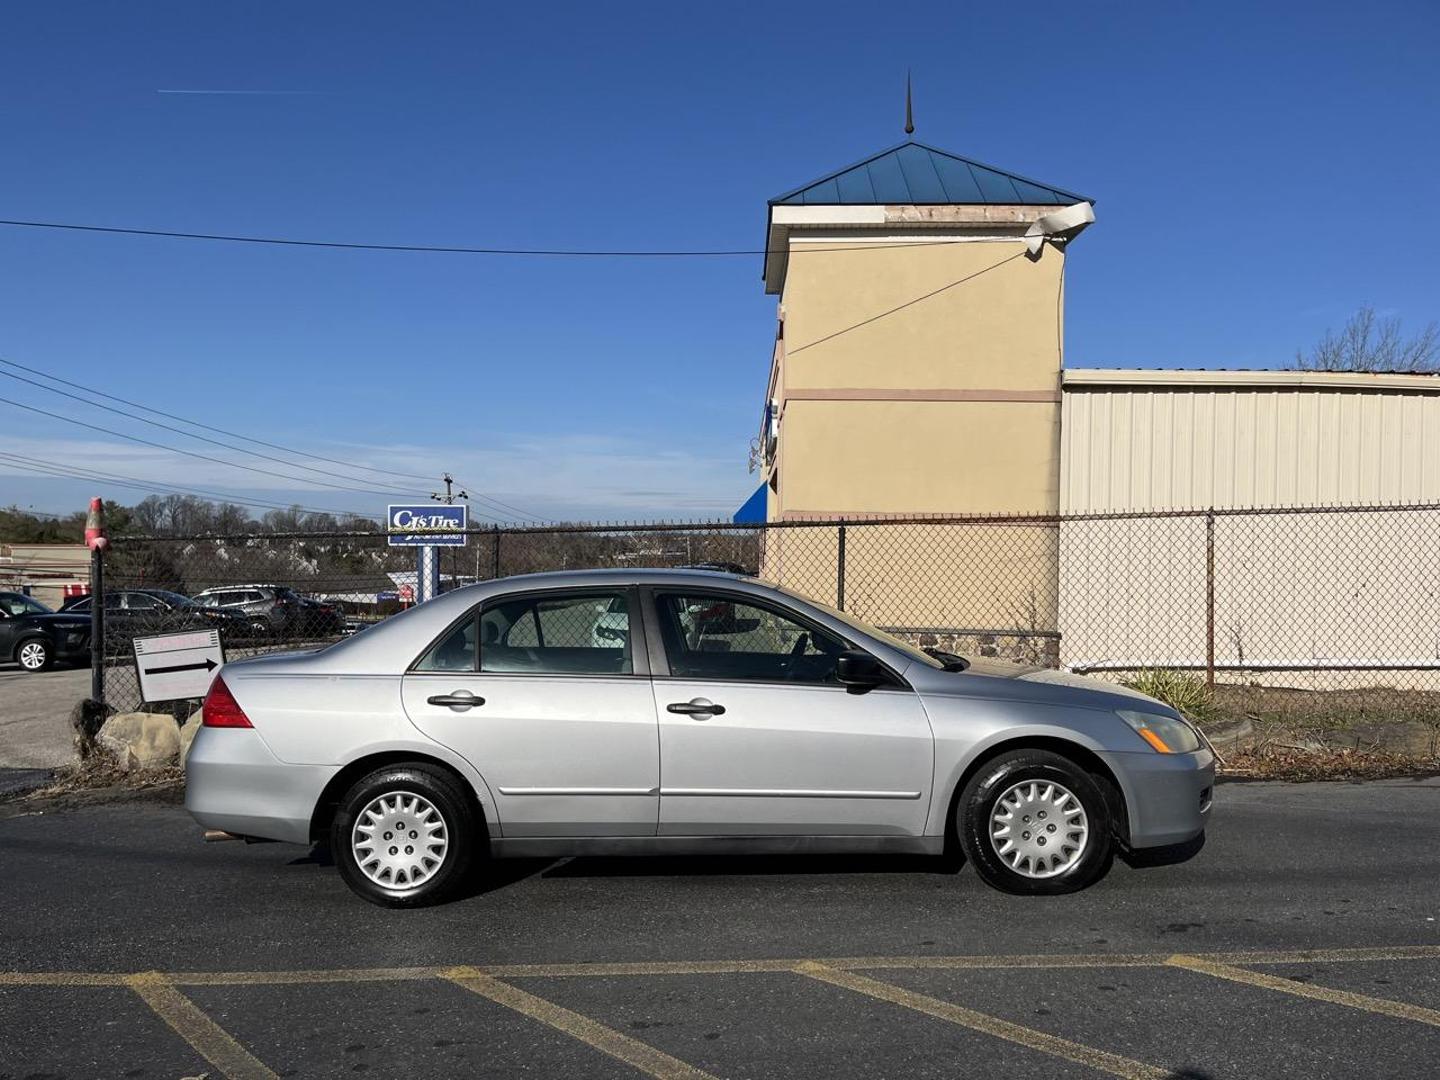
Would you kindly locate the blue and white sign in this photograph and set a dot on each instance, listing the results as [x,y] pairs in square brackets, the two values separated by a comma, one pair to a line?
[427,525]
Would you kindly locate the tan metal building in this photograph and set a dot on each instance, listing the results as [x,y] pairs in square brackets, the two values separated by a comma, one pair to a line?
[1296,594]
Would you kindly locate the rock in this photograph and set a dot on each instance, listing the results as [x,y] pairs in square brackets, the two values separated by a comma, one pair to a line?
[141,741]
[188,733]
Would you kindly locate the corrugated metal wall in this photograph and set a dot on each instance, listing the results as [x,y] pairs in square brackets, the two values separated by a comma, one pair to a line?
[1159,447]
[1325,589]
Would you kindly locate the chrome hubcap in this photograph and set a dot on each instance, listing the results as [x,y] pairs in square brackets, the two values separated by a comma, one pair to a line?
[399,840]
[1039,828]
[32,654]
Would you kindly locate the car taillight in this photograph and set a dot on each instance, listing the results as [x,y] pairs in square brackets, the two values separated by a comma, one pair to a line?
[221,709]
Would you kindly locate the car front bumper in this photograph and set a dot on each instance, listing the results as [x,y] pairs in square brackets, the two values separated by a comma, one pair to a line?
[1167,796]
[234,783]
[68,647]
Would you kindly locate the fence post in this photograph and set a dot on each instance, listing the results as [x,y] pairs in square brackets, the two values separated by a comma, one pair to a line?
[97,625]
[1210,598]
[840,572]
[495,559]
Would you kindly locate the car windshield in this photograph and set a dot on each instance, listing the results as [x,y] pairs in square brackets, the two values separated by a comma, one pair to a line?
[875,632]
[18,604]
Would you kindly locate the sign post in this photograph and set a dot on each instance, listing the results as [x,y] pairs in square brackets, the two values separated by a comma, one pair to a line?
[427,527]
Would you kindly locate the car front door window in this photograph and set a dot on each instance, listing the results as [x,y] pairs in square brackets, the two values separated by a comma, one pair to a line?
[723,637]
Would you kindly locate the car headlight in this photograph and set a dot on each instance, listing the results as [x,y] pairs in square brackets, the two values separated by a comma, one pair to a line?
[1167,734]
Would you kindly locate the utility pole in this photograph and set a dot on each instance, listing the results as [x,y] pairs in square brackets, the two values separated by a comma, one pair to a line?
[429,556]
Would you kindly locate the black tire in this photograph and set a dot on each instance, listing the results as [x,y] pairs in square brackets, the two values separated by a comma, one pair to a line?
[445,795]
[997,777]
[34,654]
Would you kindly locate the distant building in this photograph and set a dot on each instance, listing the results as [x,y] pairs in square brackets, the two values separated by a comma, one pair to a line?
[48,572]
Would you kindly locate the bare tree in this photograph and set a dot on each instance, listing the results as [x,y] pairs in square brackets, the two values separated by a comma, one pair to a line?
[1369,343]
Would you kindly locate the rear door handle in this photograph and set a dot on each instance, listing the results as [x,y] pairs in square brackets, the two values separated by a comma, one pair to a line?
[458,701]
[698,707]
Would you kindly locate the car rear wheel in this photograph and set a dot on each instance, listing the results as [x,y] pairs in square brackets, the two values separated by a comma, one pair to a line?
[34,654]
[1035,823]
[404,836]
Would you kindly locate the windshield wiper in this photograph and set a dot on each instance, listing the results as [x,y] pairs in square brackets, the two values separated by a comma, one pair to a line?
[949,660]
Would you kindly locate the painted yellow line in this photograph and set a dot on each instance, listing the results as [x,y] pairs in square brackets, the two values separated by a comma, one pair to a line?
[209,1039]
[907,963]
[642,1056]
[698,967]
[1053,1045]
[1384,1007]
[291,978]
[60,978]
[1328,956]
[725,967]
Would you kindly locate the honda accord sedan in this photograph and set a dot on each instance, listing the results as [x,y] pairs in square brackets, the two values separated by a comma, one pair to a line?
[663,711]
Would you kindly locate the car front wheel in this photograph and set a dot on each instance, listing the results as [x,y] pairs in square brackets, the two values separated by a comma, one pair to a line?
[404,836]
[34,655]
[1034,822]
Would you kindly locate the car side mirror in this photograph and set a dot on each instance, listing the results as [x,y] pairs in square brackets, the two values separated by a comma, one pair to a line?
[859,670]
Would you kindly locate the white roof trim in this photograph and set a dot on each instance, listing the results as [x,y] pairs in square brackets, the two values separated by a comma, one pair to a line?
[1079,378]
[828,215]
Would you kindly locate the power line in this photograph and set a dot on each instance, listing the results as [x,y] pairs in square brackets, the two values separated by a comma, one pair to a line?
[207,439]
[70,472]
[443,249]
[261,442]
[188,453]
[209,427]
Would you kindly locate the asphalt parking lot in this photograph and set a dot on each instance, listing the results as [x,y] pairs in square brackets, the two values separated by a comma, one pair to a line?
[35,718]
[1302,941]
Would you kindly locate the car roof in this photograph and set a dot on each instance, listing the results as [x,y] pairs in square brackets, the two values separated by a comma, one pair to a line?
[633,576]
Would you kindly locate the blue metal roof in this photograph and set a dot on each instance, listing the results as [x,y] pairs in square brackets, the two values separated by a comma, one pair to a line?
[915,173]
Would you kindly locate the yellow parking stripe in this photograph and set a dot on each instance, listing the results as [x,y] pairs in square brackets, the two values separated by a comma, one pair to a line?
[290,978]
[913,963]
[1329,956]
[1053,1045]
[633,1052]
[660,967]
[726,967]
[1398,1009]
[209,1039]
[60,978]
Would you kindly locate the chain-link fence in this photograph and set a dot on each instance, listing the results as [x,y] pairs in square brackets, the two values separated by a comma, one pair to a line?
[1326,598]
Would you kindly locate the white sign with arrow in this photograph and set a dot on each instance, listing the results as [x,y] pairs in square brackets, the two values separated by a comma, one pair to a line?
[176,666]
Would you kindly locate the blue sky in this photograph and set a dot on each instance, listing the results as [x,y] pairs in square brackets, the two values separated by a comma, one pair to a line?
[1260,171]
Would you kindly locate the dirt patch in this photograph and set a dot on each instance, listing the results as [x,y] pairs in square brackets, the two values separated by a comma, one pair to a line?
[1370,733]
[95,781]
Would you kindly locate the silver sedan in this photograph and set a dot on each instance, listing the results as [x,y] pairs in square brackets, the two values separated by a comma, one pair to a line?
[642,712]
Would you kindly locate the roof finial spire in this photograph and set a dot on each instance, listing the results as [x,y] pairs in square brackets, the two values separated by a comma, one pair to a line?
[909,112]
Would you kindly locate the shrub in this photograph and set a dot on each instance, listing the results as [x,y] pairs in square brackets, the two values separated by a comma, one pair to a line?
[1185,693]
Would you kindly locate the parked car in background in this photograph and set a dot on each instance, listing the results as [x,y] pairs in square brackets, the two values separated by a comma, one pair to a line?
[272,610]
[131,613]
[36,638]
[318,619]
[653,711]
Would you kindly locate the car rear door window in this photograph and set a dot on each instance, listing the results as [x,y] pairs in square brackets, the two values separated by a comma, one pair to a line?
[558,634]
[709,636]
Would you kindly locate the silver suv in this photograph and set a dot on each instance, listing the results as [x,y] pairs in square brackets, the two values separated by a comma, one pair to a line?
[271,609]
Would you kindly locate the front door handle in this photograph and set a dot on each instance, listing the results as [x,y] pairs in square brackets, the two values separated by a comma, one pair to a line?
[697,707]
[458,701]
